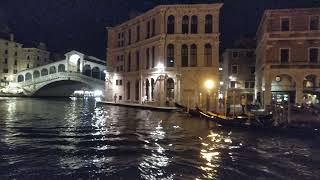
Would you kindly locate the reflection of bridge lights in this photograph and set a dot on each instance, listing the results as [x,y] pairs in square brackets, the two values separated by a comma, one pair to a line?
[97,93]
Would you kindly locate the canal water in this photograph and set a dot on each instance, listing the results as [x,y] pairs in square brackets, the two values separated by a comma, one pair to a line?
[51,138]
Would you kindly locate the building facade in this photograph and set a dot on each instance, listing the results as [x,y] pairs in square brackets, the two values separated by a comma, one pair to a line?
[11,54]
[35,56]
[165,55]
[238,75]
[287,66]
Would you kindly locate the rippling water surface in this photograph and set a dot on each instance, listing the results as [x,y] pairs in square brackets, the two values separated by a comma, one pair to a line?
[46,138]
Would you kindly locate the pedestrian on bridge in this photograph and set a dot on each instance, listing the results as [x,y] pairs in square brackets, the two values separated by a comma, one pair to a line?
[115,98]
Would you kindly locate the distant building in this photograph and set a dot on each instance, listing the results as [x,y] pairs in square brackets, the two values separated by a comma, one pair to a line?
[165,55]
[11,54]
[238,75]
[287,67]
[35,56]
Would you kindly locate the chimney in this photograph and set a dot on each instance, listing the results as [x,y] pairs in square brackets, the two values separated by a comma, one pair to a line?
[11,37]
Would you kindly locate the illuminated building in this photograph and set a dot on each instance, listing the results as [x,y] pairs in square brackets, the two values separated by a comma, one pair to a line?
[287,66]
[165,55]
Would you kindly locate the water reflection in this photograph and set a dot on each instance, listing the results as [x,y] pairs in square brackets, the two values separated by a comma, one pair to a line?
[42,138]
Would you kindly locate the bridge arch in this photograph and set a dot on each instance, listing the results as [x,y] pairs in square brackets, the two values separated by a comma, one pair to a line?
[44,72]
[96,73]
[36,74]
[52,70]
[61,68]
[20,78]
[87,70]
[28,76]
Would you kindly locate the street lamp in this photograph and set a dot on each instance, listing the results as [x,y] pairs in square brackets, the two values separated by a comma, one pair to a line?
[209,84]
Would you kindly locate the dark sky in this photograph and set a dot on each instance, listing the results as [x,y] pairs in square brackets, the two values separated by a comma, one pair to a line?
[80,24]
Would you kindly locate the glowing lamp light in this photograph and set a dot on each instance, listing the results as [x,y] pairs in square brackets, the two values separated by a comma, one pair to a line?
[209,84]
[160,66]
[220,69]
[221,82]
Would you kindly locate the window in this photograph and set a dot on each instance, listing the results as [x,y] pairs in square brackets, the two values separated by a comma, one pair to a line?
[137,61]
[208,55]
[208,24]
[184,56]
[284,55]
[233,84]
[28,65]
[250,54]
[122,39]
[15,54]
[170,55]
[285,24]
[185,25]
[121,68]
[252,84]
[129,37]
[247,84]
[170,24]
[147,59]
[234,69]
[128,90]
[5,61]
[119,40]
[193,55]
[314,23]
[5,71]
[117,82]
[194,25]
[15,62]
[153,57]
[313,55]
[138,33]
[129,63]
[148,30]
[5,51]
[252,69]
[120,98]
[117,69]
[153,27]
[15,71]
[234,55]
[120,82]
[28,57]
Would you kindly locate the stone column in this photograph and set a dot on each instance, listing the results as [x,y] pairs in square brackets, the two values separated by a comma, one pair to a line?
[299,91]
[267,94]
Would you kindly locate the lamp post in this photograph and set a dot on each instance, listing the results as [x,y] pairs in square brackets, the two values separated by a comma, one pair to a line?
[209,84]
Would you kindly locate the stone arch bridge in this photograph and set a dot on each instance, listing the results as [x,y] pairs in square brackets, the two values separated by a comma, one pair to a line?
[62,78]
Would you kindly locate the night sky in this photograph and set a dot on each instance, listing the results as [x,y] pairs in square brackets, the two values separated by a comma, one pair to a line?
[80,24]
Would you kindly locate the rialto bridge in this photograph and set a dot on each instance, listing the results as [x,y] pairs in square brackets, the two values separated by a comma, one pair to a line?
[61,78]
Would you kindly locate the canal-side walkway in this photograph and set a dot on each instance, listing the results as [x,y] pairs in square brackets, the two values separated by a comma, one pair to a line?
[140,106]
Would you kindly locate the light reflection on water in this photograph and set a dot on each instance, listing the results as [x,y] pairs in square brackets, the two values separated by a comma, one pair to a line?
[44,138]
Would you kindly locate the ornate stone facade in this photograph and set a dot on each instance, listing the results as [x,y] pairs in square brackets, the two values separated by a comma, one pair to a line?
[165,55]
[287,63]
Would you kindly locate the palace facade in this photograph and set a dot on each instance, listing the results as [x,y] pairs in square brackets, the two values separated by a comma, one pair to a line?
[165,56]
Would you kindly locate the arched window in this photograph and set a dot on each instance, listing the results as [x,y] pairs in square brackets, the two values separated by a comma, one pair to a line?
[170,55]
[147,89]
[137,90]
[20,78]
[170,89]
[153,56]
[147,59]
[153,29]
[61,68]
[96,73]
[185,25]
[128,90]
[184,56]
[170,24]
[137,60]
[36,74]
[129,63]
[208,55]
[152,88]
[87,70]
[194,25]
[44,72]
[28,76]
[52,70]
[193,55]
[208,24]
